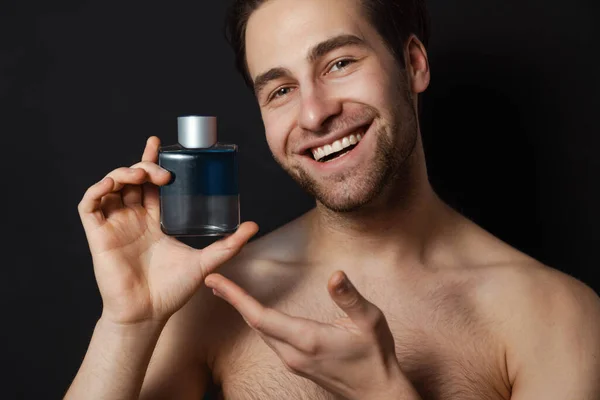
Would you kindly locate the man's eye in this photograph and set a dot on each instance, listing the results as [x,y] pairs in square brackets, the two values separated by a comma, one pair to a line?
[280,92]
[341,64]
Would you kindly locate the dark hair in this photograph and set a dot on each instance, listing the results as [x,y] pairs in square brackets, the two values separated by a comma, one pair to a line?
[394,20]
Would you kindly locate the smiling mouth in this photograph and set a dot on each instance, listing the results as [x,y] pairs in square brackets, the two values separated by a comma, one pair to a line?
[337,149]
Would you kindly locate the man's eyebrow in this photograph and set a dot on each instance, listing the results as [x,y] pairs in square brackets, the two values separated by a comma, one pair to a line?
[316,52]
[263,79]
[333,43]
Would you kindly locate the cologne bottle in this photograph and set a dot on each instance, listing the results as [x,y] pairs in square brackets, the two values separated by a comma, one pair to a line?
[202,198]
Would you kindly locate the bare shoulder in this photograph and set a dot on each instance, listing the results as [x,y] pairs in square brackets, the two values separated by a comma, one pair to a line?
[534,287]
[270,258]
[550,324]
[285,244]
[262,267]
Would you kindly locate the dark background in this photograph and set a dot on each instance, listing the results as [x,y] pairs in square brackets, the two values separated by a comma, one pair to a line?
[510,126]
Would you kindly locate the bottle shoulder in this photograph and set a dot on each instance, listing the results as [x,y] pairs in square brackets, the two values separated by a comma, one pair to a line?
[216,148]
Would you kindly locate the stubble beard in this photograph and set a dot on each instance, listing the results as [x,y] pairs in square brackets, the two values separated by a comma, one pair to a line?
[354,189]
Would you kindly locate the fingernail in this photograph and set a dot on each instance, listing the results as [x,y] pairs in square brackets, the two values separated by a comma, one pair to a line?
[217,293]
[343,286]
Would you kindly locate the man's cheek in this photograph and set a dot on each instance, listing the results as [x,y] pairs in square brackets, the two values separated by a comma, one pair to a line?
[277,142]
[370,90]
[272,143]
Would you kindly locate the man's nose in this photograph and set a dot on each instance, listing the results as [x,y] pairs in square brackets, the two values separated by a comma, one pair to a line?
[317,108]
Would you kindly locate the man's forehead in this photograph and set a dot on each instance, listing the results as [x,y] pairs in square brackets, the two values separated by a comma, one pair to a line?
[283,31]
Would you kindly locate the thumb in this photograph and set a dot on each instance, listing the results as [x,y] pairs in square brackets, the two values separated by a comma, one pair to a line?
[362,312]
[221,251]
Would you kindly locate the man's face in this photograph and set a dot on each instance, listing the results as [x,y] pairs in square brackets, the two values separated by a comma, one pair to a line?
[326,83]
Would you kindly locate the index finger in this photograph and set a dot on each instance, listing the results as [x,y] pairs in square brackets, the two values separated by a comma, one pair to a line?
[267,321]
[151,149]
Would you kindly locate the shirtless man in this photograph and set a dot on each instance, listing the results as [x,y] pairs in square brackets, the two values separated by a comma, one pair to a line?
[438,308]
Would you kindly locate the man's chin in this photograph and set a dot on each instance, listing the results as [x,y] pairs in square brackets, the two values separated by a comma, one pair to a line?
[341,194]
[342,207]
[344,201]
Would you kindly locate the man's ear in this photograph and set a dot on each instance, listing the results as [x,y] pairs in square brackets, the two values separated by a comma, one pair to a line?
[417,65]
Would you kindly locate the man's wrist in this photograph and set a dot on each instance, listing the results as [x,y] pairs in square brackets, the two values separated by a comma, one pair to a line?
[116,360]
[150,328]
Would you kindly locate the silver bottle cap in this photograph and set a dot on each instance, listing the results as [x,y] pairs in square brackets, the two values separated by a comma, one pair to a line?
[194,132]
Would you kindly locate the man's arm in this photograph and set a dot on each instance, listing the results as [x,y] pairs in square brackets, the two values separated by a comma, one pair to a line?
[178,368]
[115,362]
[143,361]
[554,350]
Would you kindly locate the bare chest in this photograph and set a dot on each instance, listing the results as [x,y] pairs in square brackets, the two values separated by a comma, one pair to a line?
[443,347]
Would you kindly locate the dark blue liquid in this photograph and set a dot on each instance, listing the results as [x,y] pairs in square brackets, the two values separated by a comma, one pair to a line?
[202,198]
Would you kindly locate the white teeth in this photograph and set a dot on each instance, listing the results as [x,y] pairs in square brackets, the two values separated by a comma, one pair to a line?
[336,146]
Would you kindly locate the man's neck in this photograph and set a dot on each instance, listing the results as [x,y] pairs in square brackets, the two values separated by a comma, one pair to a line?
[399,227]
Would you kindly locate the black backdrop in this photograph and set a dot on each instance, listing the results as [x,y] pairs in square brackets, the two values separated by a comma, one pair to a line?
[510,127]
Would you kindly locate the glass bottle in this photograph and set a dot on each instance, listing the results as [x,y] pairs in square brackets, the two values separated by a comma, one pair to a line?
[202,198]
